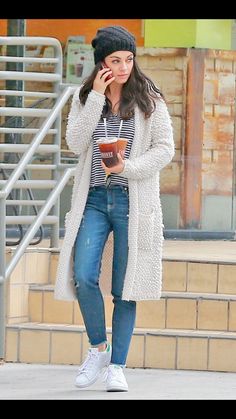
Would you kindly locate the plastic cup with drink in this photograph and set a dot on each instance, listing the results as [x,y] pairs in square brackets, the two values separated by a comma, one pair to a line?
[109,147]
[121,145]
[108,150]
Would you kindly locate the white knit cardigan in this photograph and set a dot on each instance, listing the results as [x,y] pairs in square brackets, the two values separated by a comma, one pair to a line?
[152,149]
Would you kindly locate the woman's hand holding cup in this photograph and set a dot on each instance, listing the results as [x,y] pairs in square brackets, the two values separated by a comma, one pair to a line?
[118,168]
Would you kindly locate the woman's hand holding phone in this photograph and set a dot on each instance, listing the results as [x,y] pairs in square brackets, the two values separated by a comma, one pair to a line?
[103,78]
[109,75]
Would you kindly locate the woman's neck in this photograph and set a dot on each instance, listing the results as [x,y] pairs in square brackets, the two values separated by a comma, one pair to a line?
[114,91]
[114,94]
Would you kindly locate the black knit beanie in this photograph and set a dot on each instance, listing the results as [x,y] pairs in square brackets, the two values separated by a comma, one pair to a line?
[111,39]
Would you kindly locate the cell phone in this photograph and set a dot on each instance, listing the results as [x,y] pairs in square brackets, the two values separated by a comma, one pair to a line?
[109,75]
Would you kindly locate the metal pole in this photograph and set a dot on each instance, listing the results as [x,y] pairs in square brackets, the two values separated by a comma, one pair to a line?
[15,27]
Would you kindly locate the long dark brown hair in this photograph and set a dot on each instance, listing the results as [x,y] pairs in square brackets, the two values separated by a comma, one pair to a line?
[138,89]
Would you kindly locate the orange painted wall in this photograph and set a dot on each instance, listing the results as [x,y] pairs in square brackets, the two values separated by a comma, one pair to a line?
[63,28]
[3,27]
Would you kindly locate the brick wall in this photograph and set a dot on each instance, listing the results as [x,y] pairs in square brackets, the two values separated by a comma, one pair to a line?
[219,127]
[167,68]
[209,168]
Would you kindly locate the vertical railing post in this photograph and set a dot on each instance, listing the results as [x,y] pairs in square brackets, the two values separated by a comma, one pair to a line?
[2,276]
[15,27]
[5,271]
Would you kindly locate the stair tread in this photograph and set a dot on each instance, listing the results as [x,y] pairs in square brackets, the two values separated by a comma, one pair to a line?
[41,287]
[138,330]
[205,251]
[165,294]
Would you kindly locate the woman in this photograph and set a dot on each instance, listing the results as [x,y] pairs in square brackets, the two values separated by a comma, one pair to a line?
[129,207]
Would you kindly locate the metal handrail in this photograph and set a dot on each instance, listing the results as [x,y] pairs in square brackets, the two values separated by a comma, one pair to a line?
[30,202]
[39,219]
[26,40]
[29,94]
[24,147]
[14,208]
[27,156]
[52,116]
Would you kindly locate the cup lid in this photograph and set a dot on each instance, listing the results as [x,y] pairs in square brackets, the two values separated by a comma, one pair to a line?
[106,140]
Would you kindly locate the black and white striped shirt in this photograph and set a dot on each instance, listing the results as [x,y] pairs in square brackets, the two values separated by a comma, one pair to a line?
[127,131]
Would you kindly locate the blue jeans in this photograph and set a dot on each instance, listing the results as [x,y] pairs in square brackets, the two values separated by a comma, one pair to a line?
[107,209]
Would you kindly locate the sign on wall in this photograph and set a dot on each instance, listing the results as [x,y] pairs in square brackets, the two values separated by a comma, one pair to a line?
[80,62]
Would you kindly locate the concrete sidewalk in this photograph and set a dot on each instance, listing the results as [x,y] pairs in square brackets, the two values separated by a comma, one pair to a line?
[33,381]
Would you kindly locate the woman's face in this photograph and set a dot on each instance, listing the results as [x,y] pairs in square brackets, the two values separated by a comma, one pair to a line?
[121,64]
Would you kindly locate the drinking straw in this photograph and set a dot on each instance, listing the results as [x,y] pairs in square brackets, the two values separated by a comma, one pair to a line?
[121,123]
[105,125]
[108,175]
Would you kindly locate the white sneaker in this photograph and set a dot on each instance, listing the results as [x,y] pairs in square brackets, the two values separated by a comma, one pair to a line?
[116,380]
[92,368]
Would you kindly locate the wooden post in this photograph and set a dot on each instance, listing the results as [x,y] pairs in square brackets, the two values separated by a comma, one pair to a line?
[192,183]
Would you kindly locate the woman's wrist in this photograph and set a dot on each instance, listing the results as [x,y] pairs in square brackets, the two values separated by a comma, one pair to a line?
[99,93]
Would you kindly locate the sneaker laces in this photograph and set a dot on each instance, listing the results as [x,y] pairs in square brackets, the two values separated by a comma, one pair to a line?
[116,372]
[89,361]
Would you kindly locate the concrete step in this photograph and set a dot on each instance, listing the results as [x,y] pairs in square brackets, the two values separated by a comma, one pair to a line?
[181,272]
[175,310]
[189,275]
[193,326]
[150,348]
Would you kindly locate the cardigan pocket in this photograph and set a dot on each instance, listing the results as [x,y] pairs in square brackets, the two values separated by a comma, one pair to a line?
[146,231]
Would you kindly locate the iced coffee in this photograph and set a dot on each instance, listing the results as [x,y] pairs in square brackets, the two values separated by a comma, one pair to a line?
[108,149]
[121,145]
